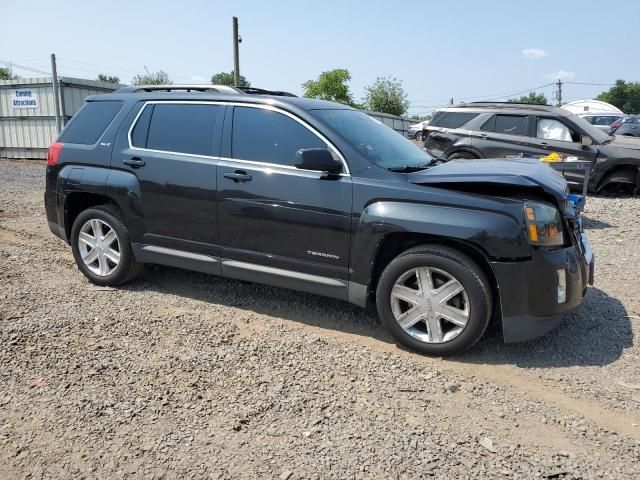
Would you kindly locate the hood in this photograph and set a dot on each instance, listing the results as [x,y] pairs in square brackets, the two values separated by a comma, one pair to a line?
[526,173]
[622,141]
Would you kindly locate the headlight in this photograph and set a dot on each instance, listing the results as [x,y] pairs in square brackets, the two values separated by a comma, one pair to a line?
[544,224]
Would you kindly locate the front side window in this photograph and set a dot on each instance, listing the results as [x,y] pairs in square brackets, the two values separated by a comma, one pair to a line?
[177,128]
[551,129]
[511,124]
[262,135]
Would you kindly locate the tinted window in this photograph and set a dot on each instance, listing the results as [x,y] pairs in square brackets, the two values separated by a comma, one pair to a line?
[181,128]
[270,137]
[139,133]
[452,119]
[511,124]
[90,122]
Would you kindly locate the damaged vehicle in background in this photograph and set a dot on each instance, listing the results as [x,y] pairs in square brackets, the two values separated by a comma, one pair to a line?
[321,198]
[511,130]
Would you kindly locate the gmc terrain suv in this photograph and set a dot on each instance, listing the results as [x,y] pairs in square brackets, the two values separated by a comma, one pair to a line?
[511,130]
[317,197]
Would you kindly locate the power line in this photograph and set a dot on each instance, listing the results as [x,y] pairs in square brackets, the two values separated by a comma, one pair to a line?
[22,67]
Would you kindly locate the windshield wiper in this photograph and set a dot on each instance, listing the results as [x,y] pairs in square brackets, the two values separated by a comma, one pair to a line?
[409,168]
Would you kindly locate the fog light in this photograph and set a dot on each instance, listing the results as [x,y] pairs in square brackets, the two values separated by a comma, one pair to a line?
[562,286]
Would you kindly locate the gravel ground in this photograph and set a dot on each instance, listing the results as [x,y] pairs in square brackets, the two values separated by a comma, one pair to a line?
[182,375]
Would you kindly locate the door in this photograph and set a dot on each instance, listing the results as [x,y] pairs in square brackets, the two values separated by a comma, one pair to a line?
[173,149]
[504,136]
[274,215]
[555,136]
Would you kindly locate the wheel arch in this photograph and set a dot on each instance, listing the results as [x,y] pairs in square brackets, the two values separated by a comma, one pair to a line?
[78,201]
[464,149]
[628,173]
[396,243]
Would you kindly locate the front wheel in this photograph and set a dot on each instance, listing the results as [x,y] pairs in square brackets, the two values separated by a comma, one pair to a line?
[101,247]
[435,300]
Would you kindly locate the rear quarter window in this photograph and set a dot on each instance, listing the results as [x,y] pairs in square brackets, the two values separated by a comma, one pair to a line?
[88,125]
[452,119]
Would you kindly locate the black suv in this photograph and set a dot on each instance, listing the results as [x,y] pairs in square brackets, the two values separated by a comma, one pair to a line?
[511,130]
[318,197]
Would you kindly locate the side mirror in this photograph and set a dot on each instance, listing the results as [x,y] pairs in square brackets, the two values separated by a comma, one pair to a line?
[317,159]
[586,141]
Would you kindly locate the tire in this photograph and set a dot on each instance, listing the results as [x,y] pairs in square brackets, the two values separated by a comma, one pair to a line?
[475,300]
[458,155]
[419,136]
[105,219]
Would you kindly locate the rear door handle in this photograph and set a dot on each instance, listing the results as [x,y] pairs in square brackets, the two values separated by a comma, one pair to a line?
[238,176]
[134,162]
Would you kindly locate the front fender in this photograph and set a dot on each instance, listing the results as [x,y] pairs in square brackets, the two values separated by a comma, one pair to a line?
[497,234]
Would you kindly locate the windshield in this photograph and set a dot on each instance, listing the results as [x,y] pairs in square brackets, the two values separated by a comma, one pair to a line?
[375,140]
[598,135]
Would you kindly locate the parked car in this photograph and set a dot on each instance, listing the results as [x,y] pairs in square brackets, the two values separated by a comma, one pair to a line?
[603,121]
[629,127]
[415,130]
[317,197]
[510,130]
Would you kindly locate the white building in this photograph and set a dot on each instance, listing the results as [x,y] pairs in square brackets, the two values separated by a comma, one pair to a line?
[585,107]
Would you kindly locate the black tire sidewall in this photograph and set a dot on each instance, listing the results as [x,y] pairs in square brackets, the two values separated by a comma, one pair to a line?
[467,273]
[461,156]
[120,274]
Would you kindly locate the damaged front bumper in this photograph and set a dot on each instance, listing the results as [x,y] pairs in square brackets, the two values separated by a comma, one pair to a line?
[534,294]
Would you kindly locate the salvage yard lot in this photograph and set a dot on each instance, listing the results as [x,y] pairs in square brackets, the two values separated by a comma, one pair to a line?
[183,375]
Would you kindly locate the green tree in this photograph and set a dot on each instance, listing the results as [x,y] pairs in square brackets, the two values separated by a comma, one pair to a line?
[533,98]
[386,95]
[331,85]
[7,74]
[108,78]
[224,78]
[152,78]
[625,96]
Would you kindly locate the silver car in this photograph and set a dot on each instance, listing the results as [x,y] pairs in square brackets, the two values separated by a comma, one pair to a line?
[603,121]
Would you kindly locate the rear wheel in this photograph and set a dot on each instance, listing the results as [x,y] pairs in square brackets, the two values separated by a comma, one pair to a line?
[435,300]
[101,247]
[458,155]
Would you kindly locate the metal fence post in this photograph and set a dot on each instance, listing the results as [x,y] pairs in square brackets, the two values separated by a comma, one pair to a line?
[56,92]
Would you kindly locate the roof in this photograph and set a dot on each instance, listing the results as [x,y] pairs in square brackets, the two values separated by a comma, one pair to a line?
[221,93]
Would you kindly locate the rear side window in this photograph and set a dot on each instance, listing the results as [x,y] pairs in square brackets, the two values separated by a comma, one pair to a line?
[271,137]
[90,122]
[178,128]
[452,119]
[508,124]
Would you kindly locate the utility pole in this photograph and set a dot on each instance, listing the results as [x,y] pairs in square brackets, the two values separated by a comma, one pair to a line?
[559,93]
[56,92]
[451,101]
[236,52]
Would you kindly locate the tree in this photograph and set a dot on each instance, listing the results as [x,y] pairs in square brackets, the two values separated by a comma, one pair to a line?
[108,78]
[7,74]
[331,85]
[152,78]
[625,96]
[224,78]
[533,98]
[386,95]
[420,118]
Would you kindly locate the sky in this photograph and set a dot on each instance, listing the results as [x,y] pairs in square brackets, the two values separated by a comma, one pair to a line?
[465,50]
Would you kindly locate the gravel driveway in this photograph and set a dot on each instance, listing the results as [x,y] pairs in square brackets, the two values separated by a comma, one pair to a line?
[183,375]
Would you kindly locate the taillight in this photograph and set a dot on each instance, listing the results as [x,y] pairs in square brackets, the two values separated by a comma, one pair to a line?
[54,152]
[616,124]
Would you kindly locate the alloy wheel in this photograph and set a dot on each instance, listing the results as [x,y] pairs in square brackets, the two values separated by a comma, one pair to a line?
[430,304]
[99,247]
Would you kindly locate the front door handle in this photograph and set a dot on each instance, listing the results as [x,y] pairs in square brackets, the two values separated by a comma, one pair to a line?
[238,176]
[134,162]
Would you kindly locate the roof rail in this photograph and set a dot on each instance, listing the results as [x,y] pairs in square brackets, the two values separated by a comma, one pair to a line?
[262,91]
[180,88]
[526,106]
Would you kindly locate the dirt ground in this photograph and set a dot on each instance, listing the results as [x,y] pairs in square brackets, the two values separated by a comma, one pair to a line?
[184,375]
